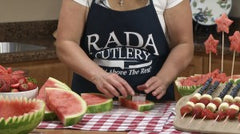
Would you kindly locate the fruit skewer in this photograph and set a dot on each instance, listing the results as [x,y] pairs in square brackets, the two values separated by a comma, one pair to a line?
[234,108]
[187,109]
[209,111]
[228,107]
[205,99]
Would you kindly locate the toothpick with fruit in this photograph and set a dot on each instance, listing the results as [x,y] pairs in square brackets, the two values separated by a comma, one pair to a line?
[204,100]
[233,109]
[209,112]
[223,23]
[210,47]
[187,109]
[216,104]
[235,47]
[207,97]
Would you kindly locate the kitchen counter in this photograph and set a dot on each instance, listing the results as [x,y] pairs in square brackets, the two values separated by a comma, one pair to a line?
[47,52]
[37,33]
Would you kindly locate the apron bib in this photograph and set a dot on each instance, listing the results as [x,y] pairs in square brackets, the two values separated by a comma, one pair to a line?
[129,43]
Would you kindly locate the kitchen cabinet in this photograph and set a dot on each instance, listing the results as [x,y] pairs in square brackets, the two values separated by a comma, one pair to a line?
[41,70]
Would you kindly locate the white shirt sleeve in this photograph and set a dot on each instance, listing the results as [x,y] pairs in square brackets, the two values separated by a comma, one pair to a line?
[86,3]
[172,3]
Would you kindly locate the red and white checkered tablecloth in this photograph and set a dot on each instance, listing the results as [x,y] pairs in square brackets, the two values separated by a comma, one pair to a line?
[158,120]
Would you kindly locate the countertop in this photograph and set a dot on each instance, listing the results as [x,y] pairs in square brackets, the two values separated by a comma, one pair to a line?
[49,52]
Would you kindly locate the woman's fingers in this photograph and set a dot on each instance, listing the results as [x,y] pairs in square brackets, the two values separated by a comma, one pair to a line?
[155,86]
[125,87]
[106,92]
[111,89]
[114,85]
[160,95]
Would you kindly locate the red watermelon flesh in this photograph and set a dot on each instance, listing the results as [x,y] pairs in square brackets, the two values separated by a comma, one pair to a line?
[139,106]
[93,99]
[68,105]
[202,78]
[97,102]
[54,83]
[16,108]
[51,82]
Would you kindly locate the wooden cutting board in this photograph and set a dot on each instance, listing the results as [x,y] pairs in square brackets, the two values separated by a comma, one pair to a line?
[204,126]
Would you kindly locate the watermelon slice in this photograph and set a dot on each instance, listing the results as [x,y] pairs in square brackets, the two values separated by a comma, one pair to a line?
[187,85]
[66,104]
[51,82]
[139,106]
[97,102]
[20,115]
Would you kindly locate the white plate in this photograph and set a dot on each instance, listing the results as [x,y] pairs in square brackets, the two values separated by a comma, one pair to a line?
[205,12]
[28,94]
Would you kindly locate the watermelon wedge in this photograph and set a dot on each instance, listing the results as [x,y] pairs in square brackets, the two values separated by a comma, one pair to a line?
[51,82]
[186,88]
[187,85]
[66,104]
[139,106]
[97,102]
[20,115]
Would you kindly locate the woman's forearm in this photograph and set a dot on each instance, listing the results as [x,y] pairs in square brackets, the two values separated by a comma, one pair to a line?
[178,59]
[72,55]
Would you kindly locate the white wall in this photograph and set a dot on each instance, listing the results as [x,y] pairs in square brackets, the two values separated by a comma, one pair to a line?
[29,10]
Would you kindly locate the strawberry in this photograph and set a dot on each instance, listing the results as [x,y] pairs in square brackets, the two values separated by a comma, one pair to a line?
[23,87]
[18,72]
[22,80]
[16,85]
[9,69]
[31,85]
[14,90]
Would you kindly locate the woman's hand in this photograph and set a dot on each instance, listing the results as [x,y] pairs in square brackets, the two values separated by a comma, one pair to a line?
[112,85]
[155,85]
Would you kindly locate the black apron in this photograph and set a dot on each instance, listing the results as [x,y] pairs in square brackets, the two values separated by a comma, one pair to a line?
[129,43]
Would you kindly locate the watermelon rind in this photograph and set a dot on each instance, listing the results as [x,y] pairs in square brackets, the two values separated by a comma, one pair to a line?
[185,90]
[74,118]
[60,84]
[146,107]
[127,102]
[25,123]
[50,115]
[101,107]
[236,81]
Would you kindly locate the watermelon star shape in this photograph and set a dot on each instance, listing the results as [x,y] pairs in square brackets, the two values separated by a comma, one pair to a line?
[211,45]
[235,41]
[223,23]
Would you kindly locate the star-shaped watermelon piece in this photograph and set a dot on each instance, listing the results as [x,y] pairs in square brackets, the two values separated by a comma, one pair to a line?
[223,23]
[235,41]
[211,45]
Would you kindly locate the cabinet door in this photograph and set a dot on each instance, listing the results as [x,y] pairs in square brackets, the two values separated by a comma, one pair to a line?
[41,70]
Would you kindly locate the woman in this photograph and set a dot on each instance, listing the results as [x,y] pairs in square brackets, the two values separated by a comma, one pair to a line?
[126,46]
